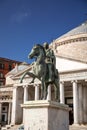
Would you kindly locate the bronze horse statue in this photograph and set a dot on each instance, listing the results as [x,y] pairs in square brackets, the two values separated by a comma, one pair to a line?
[40,71]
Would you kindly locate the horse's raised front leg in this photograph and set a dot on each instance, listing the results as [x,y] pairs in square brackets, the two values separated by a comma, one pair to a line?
[21,80]
[30,74]
[32,81]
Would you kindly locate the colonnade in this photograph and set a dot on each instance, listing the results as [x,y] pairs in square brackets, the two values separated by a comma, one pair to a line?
[79,100]
[16,109]
[36,96]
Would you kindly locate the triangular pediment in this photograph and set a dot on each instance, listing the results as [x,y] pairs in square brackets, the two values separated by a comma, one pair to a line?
[18,70]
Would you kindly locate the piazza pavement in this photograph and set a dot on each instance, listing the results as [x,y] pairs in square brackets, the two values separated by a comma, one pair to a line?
[72,127]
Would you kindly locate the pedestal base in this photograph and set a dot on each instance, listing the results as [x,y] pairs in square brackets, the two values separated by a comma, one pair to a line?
[45,115]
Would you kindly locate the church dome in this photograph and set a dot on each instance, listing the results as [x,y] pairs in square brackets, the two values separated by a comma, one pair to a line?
[82,29]
[73,44]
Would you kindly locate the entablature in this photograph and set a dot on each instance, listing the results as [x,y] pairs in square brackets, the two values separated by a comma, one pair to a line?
[74,75]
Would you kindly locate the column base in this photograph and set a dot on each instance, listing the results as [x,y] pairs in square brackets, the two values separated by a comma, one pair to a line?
[45,115]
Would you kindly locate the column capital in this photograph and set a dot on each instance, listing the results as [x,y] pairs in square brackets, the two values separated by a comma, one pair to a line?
[74,81]
[25,86]
[61,82]
[36,85]
[20,84]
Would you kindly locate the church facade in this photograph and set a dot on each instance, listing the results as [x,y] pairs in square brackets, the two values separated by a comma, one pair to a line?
[71,62]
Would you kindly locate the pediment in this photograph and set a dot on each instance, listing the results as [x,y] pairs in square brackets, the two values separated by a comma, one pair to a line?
[18,70]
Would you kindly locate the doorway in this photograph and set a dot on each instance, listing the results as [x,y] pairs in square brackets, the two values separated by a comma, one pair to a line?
[69,102]
[4,116]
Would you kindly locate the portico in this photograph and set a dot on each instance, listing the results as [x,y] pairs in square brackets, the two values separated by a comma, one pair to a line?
[76,82]
[73,87]
[22,92]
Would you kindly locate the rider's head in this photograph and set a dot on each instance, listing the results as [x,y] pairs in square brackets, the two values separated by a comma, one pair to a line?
[46,45]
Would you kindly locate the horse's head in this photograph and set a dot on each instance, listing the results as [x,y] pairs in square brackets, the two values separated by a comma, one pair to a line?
[36,51]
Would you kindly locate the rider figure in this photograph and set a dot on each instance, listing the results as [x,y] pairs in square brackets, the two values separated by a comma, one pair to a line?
[51,62]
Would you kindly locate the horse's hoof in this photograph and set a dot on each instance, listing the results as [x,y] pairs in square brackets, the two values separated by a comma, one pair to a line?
[20,81]
[31,82]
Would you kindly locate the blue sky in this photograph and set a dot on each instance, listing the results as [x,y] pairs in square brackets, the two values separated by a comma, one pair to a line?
[24,23]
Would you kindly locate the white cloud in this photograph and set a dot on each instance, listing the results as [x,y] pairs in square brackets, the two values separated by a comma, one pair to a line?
[19,17]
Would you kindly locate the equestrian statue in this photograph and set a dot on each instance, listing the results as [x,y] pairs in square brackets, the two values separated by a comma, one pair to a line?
[44,68]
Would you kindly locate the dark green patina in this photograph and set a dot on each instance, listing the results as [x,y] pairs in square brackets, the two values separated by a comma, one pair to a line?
[44,69]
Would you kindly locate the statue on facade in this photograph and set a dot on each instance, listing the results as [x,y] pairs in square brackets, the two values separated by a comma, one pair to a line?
[44,69]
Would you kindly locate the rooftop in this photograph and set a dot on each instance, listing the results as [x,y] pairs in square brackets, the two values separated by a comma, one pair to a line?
[81,29]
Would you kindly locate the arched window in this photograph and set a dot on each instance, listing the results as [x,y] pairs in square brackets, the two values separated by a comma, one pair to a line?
[1,83]
[1,75]
[10,67]
[1,66]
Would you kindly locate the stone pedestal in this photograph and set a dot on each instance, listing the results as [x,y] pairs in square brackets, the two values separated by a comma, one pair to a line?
[45,115]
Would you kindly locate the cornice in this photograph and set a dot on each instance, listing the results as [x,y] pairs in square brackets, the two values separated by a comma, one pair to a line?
[70,41]
[73,75]
[73,71]
[6,89]
[9,60]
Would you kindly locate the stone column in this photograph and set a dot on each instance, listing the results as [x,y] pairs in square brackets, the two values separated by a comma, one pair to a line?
[80,104]
[49,92]
[17,111]
[84,105]
[75,102]
[9,113]
[25,93]
[0,112]
[25,99]
[14,105]
[36,92]
[62,99]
